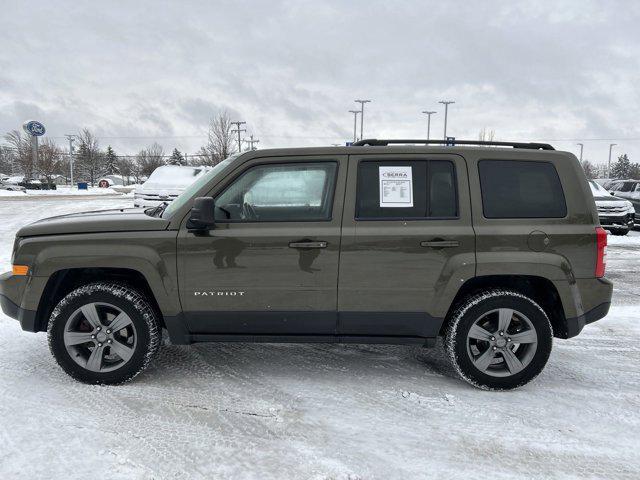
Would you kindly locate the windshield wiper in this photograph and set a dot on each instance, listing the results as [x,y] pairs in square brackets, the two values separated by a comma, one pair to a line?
[157,210]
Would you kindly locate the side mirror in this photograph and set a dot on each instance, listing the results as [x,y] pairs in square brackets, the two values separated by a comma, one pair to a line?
[202,214]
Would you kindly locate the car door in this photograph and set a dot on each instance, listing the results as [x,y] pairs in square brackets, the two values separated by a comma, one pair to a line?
[407,234]
[270,265]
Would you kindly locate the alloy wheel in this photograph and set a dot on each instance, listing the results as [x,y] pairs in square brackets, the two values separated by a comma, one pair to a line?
[100,337]
[502,342]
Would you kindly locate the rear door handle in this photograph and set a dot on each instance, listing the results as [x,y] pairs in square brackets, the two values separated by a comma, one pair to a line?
[440,243]
[308,245]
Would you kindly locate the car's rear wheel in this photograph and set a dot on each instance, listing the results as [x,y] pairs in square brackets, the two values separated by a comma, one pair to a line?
[499,340]
[103,333]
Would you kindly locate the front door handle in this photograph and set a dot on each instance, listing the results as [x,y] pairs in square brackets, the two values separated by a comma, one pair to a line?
[308,245]
[440,243]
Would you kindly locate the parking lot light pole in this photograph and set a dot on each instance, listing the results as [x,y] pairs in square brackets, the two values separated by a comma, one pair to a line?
[355,123]
[71,139]
[581,148]
[362,102]
[611,145]
[446,104]
[428,113]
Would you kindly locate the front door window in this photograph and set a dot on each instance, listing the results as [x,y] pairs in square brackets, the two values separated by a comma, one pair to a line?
[279,193]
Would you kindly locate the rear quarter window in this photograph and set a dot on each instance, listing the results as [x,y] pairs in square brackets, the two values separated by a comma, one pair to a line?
[521,189]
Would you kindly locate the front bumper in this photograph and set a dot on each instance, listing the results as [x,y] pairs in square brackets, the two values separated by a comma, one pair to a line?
[617,221]
[12,288]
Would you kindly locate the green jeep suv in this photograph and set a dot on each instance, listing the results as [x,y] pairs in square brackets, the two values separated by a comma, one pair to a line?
[494,246]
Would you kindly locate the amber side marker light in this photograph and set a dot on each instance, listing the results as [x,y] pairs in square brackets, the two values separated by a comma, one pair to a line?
[20,269]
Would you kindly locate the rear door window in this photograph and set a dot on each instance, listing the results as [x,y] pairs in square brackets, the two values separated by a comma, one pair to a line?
[521,189]
[428,190]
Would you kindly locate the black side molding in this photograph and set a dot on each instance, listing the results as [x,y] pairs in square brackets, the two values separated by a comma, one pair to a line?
[303,326]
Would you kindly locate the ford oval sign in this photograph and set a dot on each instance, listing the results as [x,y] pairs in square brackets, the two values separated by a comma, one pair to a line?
[34,128]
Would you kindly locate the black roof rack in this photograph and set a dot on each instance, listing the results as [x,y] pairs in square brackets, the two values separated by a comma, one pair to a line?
[374,142]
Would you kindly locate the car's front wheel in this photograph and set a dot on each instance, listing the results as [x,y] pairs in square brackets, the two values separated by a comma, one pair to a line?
[499,339]
[103,333]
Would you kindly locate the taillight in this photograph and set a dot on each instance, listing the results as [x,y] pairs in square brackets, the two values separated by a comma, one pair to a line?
[601,260]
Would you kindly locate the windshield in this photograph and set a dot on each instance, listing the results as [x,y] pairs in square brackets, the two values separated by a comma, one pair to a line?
[185,196]
[597,189]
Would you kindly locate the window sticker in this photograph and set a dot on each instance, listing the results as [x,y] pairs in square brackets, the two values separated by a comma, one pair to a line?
[396,187]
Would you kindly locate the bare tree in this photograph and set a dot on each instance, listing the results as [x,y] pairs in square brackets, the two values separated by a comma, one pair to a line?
[590,169]
[220,141]
[486,135]
[49,160]
[20,143]
[7,159]
[124,166]
[150,158]
[90,160]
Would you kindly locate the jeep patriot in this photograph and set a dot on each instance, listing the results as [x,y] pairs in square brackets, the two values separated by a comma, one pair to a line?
[494,246]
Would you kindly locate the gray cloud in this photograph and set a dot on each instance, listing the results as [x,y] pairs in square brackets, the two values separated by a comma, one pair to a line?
[157,70]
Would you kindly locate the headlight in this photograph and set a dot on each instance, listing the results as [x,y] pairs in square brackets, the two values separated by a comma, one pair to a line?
[630,208]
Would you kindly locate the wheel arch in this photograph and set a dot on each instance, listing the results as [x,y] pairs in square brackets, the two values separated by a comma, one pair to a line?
[542,290]
[64,281]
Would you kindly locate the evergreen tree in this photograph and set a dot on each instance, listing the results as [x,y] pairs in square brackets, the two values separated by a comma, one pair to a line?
[110,161]
[622,168]
[589,169]
[176,158]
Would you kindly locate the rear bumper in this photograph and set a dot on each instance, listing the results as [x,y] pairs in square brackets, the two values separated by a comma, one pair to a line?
[575,325]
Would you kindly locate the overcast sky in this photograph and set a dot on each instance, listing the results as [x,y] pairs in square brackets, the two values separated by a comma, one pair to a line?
[134,71]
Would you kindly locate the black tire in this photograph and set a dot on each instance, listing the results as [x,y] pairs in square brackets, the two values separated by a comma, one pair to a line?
[143,321]
[479,305]
[620,231]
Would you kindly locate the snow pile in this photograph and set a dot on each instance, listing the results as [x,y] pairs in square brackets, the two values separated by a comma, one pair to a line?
[61,190]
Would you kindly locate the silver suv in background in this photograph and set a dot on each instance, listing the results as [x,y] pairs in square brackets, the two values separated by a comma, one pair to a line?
[615,214]
[165,184]
[630,190]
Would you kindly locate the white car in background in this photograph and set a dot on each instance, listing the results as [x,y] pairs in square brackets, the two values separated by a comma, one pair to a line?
[629,190]
[615,214]
[165,184]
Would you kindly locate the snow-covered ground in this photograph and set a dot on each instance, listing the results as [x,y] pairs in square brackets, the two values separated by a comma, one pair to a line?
[61,190]
[322,411]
